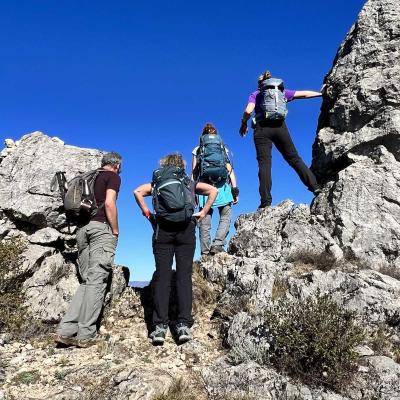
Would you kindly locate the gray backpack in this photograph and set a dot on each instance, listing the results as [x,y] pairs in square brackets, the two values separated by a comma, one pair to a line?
[78,195]
[273,101]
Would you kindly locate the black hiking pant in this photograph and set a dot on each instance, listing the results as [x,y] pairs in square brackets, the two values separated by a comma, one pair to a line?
[167,243]
[276,132]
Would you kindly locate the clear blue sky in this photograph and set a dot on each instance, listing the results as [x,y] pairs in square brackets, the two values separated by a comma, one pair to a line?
[142,78]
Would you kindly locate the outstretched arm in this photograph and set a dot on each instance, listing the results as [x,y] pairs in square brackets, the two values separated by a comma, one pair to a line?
[140,193]
[309,94]
[246,116]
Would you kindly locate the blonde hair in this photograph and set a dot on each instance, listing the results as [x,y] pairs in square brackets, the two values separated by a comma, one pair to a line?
[174,159]
[209,129]
[265,75]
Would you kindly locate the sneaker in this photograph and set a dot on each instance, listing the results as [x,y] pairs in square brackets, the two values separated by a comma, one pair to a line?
[184,333]
[65,340]
[216,249]
[87,342]
[159,333]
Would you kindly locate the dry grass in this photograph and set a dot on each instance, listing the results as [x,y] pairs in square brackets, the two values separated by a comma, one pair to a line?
[204,295]
[12,312]
[307,260]
[280,287]
[177,391]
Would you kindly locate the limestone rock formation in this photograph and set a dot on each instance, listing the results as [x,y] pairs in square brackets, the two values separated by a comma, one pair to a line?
[26,174]
[361,108]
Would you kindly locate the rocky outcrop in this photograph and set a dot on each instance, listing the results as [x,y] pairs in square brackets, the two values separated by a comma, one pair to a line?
[361,107]
[26,174]
[346,245]
[32,212]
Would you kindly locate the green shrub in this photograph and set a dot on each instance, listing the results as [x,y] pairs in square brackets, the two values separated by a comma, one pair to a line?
[60,375]
[27,377]
[314,340]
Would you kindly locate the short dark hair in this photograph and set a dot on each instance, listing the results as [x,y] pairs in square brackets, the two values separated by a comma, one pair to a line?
[111,158]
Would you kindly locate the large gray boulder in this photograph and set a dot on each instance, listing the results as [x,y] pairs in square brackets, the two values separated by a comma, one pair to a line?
[26,174]
[361,209]
[361,107]
[278,233]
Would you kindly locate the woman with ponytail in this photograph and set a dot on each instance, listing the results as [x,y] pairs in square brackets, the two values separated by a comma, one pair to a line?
[269,105]
[211,164]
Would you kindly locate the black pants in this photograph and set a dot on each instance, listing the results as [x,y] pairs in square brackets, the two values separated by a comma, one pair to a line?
[167,243]
[276,132]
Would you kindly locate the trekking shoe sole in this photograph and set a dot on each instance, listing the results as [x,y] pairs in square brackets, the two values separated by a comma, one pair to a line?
[184,338]
[158,341]
[67,341]
[83,344]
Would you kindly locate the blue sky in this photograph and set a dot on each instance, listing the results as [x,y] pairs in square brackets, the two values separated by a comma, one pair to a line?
[142,78]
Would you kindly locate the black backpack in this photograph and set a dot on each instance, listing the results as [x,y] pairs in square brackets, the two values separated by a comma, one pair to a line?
[173,195]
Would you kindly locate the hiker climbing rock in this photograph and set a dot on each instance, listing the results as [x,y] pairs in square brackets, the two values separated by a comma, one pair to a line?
[95,195]
[174,223]
[211,164]
[269,103]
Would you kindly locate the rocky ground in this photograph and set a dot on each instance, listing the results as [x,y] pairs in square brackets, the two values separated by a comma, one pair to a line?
[123,365]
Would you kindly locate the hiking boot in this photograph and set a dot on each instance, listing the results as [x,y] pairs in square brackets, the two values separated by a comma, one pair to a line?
[88,342]
[262,205]
[65,340]
[159,333]
[183,332]
[216,249]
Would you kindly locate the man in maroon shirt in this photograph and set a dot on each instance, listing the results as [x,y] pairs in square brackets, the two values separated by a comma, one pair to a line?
[96,243]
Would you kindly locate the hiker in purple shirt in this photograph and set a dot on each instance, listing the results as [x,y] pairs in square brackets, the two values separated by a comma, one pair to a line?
[269,106]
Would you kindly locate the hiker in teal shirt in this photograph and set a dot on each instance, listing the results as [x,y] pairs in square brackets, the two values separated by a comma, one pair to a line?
[224,179]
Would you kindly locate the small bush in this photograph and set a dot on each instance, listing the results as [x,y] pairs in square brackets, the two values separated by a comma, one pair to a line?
[60,375]
[314,340]
[177,391]
[27,377]
[381,342]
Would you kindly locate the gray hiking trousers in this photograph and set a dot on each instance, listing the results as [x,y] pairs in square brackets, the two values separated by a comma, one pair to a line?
[96,250]
[225,215]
